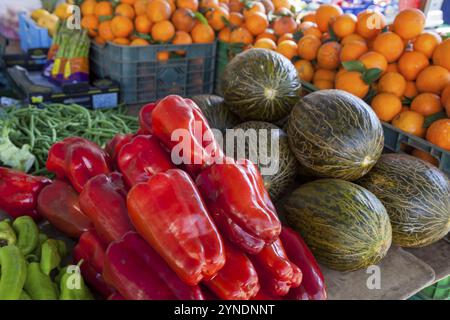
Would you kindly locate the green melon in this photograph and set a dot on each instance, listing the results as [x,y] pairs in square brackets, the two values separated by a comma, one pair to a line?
[345,225]
[280,157]
[416,196]
[260,84]
[218,115]
[334,134]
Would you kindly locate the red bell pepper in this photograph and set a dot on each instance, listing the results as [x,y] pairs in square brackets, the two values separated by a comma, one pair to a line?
[59,204]
[169,213]
[19,192]
[313,285]
[116,296]
[78,160]
[182,128]
[237,280]
[141,158]
[116,143]
[240,205]
[145,118]
[103,200]
[92,251]
[138,272]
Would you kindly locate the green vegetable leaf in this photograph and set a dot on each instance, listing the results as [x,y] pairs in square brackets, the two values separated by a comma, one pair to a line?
[10,155]
[369,96]
[104,18]
[434,117]
[406,101]
[308,86]
[333,36]
[371,75]
[298,35]
[200,17]
[354,65]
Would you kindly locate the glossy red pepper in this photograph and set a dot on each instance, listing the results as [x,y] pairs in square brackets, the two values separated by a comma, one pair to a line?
[116,143]
[138,272]
[78,160]
[59,204]
[116,296]
[182,128]
[19,192]
[170,215]
[237,280]
[313,285]
[240,205]
[141,158]
[145,118]
[103,200]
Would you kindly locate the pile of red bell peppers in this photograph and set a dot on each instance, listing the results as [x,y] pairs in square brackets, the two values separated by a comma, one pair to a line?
[150,229]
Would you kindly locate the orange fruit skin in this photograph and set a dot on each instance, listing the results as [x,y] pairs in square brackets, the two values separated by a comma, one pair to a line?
[374,59]
[188,4]
[445,95]
[370,23]
[125,10]
[265,43]
[310,28]
[351,81]
[280,4]
[142,24]
[392,82]
[353,50]
[441,55]
[224,35]
[90,23]
[163,31]
[286,36]
[433,79]
[241,35]
[256,7]
[140,7]
[182,20]
[256,23]
[323,84]
[324,74]
[103,8]
[325,15]
[344,25]
[121,41]
[202,33]
[426,104]
[158,10]
[392,67]
[128,1]
[386,106]
[427,42]
[307,47]
[410,90]
[309,17]
[163,56]
[215,18]
[352,37]
[181,38]
[390,45]
[88,7]
[105,31]
[409,23]
[99,40]
[284,25]
[139,42]
[269,34]
[447,107]
[236,19]
[439,133]
[410,122]
[287,48]
[425,156]
[235,6]
[411,63]
[121,27]
[328,55]
[305,70]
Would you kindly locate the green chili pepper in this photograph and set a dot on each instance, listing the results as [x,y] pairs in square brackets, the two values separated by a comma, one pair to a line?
[14,273]
[42,237]
[50,256]
[28,234]
[62,248]
[39,285]
[72,286]
[7,234]
[24,296]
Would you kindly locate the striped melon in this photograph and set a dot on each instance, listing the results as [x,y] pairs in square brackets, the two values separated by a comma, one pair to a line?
[345,225]
[416,196]
[280,157]
[260,84]
[334,134]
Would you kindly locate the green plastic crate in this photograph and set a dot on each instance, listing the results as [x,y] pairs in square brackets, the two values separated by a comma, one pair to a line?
[225,52]
[438,291]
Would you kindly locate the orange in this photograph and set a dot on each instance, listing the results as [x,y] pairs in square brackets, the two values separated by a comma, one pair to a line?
[235,6]
[323,84]
[305,70]
[241,35]
[409,23]
[427,43]
[352,82]
[426,104]
[121,41]
[128,1]
[447,107]
[208,4]
[441,54]
[139,42]
[386,106]
[163,31]
[142,24]
[439,133]
[286,36]
[374,59]
[280,4]
[172,5]
[125,10]
[308,46]
[445,95]
[236,19]
[324,74]
[284,24]
[187,4]
[310,28]
[183,20]
[90,23]
[311,17]
[433,79]
[103,8]
[254,7]
[121,27]
[163,55]
[105,31]
[203,33]
[370,23]
[224,35]
[328,55]
[99,40]
[392,82]
[392,67]
[265,43]
[411,63]
[389,44]
[325,14]
[353,50]
[140,7]
[216,18]
[256,23]
[344,25]
[88,7]
[269,34]
[181,38]
[410,89]
[287,48]
[410,122]
[352,37]
[425,156]
[158,10]
[268,5]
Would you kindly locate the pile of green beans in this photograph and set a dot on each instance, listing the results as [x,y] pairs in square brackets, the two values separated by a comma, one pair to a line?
[40,128]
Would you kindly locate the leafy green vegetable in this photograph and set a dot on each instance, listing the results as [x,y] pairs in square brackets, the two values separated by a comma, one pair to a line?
[10,155]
